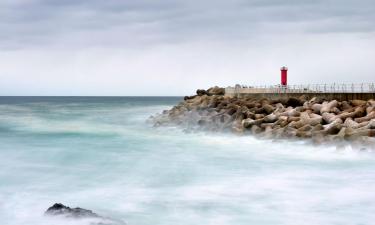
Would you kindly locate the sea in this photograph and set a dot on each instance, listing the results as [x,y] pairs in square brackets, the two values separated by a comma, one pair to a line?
[101,154]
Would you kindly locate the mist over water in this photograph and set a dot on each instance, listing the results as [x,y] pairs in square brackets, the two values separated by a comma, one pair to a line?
[100,154]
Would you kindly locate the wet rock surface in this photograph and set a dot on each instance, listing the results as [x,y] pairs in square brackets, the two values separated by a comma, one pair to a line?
[314,118]
[59,209]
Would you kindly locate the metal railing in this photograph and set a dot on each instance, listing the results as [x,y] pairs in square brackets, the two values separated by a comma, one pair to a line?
[309,88]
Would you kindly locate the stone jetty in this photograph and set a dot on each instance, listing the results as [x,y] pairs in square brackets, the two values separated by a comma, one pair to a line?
[302,117]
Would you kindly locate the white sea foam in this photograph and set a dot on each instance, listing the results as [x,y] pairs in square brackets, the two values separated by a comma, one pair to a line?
[118,166]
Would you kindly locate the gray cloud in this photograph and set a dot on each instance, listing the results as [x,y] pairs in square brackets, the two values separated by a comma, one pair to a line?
[172,47]
[30,23]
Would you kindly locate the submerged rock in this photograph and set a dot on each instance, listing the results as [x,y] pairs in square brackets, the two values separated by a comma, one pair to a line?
[59,209]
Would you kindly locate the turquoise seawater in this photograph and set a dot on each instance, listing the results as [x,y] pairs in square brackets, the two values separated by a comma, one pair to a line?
[99,153]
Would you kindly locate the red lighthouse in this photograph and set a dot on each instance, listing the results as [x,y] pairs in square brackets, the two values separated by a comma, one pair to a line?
[284,75]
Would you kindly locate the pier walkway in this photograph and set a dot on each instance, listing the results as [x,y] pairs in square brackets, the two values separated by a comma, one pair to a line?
[340,92]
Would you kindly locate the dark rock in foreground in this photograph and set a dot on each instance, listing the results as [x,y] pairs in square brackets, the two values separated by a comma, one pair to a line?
[59,209]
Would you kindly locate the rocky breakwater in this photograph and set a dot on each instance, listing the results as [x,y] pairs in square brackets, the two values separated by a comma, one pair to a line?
[300,117]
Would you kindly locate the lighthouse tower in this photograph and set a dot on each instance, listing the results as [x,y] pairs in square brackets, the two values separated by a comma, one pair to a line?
[284,75]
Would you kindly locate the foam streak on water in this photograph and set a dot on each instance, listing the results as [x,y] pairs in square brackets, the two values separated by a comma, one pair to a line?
[99,154]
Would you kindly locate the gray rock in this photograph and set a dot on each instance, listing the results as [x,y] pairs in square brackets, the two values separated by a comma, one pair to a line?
[59,209]
[201,92]
[216,91]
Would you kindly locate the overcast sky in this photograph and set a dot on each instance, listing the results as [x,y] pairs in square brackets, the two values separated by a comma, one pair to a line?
[165,47]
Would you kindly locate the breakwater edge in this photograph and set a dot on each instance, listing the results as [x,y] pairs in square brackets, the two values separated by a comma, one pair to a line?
[314,118]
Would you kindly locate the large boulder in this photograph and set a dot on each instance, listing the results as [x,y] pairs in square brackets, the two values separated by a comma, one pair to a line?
[188,97]
[370,116]
[201,92]
[294,102]
[328,106]
[216,91]
[268,108]
[248,123]
[357,102]
[333,127]
[59,209]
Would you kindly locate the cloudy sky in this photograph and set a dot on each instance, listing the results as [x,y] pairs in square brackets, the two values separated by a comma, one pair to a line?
[165,47]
